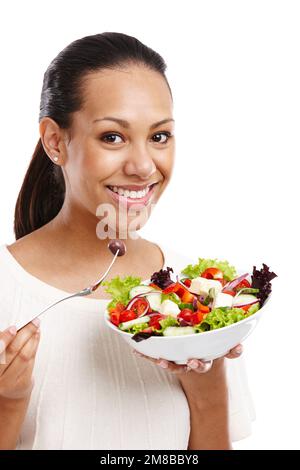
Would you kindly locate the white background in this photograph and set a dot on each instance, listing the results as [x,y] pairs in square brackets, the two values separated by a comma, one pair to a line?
[233,67]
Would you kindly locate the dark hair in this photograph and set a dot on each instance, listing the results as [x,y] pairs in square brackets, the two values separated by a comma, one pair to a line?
[43,189]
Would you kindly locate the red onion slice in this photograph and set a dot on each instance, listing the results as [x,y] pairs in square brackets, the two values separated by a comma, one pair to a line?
[245,305]
[231,284]
[132,301]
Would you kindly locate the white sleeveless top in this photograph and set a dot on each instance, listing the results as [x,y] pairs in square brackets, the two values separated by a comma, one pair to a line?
[90,391]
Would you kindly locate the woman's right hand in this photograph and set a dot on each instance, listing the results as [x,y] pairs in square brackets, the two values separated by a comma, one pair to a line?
[17,356]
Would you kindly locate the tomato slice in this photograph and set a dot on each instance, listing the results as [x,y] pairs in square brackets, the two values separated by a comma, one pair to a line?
[197,317]
[243,283]
[187,282]
[127,315]
[230,292]
[154,321]
[154,285]
[246,307]
[139,306]
[212,273]
[175,287]
[118,308]
[115,318]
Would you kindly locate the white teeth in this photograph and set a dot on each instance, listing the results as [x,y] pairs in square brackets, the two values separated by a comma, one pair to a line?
[130,194]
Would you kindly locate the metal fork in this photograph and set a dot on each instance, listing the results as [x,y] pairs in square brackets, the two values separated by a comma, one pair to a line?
[82,293]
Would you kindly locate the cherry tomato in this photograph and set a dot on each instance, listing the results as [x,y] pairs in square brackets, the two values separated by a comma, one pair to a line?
[187,282]
[212,273]
[127,315]
[186,314]
[139,306]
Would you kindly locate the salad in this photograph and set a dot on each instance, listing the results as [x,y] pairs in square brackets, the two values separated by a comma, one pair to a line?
[208,295]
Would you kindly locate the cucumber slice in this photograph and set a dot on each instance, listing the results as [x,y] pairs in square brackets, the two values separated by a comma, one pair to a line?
[154,301]
[244,299]
[178,330]
[141,289]
[128,324]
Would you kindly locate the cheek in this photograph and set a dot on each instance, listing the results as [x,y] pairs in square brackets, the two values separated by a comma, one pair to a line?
[98,166]
[165,165]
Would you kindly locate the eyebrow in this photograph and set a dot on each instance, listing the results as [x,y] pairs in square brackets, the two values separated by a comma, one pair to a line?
[126,124]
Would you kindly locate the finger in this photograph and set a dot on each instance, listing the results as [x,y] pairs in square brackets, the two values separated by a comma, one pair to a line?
[21,361]
[171,366]
[235,352]
[199,366]
[6,337]
[21,338]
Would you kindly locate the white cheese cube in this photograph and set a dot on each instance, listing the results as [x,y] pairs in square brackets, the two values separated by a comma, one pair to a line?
[167,307]
[223,300]
[201,286]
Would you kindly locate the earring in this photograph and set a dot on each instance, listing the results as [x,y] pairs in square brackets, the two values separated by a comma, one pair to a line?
[55,159]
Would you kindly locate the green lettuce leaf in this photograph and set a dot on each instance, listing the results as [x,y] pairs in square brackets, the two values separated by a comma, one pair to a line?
[171,296]
[169,321]
[195,270]
[222,316]
[119,289]
[137,328]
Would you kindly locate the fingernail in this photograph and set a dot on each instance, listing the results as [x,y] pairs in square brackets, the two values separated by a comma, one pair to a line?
[163,364]
[36,322]
[12,330]
[193,364]
[238,349]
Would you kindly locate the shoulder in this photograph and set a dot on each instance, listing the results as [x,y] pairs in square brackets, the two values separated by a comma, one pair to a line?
[25,250]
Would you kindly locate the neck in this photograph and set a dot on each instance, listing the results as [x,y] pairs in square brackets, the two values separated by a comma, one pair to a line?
[76,232]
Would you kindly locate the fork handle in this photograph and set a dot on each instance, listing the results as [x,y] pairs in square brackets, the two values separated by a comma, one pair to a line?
[82,293]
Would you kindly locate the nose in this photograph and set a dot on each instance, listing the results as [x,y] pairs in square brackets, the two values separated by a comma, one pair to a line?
[139,163]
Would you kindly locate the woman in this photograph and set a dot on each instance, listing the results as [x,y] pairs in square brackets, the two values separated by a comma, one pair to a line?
[106,127]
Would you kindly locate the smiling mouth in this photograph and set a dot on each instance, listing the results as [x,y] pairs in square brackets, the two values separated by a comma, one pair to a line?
[134,194]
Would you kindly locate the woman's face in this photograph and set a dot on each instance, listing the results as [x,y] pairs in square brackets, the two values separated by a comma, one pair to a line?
[114,163]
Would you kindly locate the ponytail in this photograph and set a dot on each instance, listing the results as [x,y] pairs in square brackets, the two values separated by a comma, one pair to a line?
[42,193]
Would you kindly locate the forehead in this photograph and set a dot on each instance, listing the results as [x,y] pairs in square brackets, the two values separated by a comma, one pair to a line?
[130,93]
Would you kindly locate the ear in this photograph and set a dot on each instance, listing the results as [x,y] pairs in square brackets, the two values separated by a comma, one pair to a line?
[52,139]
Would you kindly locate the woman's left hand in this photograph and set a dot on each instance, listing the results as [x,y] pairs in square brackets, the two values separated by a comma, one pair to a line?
[196,365]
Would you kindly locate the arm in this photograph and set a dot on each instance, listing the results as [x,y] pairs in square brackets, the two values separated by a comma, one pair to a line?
[206,390]
[12,414]
[207,395]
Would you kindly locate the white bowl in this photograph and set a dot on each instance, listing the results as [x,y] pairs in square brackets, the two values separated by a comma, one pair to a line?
[207,346]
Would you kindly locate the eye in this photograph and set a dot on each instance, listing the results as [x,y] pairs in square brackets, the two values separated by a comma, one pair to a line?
[110,138]
[168,135]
